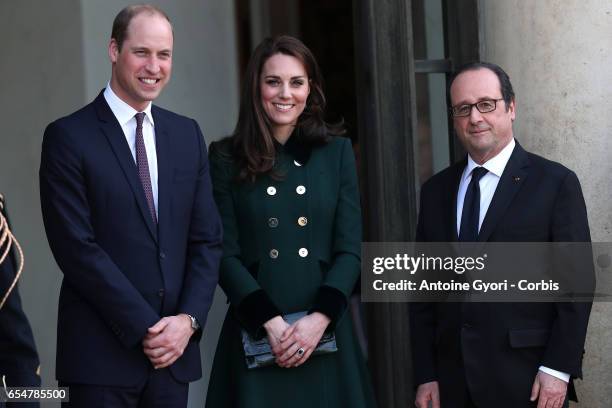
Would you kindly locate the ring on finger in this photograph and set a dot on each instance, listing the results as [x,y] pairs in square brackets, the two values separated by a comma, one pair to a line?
[300,352]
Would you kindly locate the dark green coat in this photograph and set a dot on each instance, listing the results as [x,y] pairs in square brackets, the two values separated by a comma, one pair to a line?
[290,245]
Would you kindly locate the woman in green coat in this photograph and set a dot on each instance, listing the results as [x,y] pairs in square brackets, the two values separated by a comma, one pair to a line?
[286,188]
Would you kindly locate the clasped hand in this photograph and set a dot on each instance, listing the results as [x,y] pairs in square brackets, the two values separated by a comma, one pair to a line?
[166,340]
[286,339]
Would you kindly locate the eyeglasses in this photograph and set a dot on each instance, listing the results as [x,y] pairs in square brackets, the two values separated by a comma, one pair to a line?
[485,106]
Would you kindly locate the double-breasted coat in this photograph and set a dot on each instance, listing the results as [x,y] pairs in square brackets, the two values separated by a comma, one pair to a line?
[290,245]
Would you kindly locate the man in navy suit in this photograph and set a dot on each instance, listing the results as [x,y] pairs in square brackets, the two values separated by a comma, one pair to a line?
[503,355]
[130,218]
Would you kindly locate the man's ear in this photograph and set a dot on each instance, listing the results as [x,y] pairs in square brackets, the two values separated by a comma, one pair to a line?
[113,50]
[512,109]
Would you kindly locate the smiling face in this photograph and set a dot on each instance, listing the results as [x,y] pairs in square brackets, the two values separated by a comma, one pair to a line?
[483,135]
[143,66]
[284,89]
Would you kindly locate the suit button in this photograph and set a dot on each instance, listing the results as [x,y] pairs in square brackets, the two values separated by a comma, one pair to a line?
[300,190]
[303,252]
[273,222]
[302,221]
[271,190]
[297,163]
[162,255]
[274,253]
[160,293]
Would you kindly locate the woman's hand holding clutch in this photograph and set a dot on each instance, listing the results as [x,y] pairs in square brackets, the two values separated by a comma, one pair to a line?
[300,339]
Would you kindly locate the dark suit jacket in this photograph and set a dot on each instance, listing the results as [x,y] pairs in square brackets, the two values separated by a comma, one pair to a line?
[18,356]
[495,349]
[122,273]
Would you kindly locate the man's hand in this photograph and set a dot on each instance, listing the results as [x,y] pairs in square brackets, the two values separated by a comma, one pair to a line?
[305,334]
[167,339]
[428,392]
[548,390]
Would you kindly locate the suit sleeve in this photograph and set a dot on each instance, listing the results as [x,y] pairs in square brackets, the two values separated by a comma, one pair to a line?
[204,245]
[252,305]
[332,298]
[570,224]
[423,321]
[87,268]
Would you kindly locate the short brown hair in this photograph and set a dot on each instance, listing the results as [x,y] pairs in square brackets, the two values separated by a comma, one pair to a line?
[125,16]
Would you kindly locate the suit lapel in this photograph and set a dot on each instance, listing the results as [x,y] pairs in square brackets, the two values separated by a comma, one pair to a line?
[113,132]
[453,189]
[510,183]
[164,169]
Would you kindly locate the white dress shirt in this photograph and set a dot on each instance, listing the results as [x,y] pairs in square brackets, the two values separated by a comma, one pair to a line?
[125,115]
[488,184]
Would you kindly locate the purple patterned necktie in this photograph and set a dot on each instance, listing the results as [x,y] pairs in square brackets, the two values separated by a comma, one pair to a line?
[143,165]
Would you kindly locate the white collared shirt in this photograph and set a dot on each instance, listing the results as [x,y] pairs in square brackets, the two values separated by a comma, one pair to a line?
[125,115]
[488,184]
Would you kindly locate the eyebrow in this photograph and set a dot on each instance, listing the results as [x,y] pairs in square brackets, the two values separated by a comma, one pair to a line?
[277,76]
[484,98]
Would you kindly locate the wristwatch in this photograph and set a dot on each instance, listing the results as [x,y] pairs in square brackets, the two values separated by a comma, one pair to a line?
[194,322]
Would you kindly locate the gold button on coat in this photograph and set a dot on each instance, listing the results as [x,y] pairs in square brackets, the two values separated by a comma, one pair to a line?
[273,222]
[274,253]
[302,221]
[271,190]
[300,190]
[303,252]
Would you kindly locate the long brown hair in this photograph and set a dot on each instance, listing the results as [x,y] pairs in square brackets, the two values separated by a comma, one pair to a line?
[252,143]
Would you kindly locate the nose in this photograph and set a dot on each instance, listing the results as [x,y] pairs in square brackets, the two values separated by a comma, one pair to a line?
[152,65]
[475,115]
[285,91]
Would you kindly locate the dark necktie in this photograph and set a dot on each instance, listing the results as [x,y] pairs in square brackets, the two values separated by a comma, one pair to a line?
[468,232]
[143,165]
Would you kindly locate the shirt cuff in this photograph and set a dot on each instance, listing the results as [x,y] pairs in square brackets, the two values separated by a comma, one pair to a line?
[559,374]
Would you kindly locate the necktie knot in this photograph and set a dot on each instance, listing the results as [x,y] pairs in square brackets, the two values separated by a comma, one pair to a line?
[139,119]
[478,173]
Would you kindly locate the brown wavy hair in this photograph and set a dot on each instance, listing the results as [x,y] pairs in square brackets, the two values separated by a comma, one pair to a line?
[252,142]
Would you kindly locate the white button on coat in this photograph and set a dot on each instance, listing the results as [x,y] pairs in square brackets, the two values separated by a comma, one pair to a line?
[300,190]
[271,190]
[303,252]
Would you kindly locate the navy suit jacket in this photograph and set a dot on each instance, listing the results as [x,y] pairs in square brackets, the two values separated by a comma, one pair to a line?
[122,272]
[495,349]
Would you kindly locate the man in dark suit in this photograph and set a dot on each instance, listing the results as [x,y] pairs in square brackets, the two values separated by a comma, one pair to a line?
[130,218]
[497,354]
[19,365]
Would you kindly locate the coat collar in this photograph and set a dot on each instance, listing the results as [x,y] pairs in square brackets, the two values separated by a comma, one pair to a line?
[296,148]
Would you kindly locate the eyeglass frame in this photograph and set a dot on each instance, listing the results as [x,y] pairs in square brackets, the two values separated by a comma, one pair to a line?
[472,105]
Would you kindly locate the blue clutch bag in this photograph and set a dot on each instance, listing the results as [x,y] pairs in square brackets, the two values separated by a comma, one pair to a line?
[258,353]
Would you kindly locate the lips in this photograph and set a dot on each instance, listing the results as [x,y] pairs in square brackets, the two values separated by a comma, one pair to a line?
[283,107]
[478,131]
[149,81]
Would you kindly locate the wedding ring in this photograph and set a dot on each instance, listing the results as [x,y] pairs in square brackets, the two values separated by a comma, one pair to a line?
[300,352]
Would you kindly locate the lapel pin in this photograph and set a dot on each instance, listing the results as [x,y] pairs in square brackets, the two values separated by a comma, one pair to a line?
[517,178]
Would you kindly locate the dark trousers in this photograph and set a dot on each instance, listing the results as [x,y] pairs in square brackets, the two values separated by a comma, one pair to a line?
[160,390]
